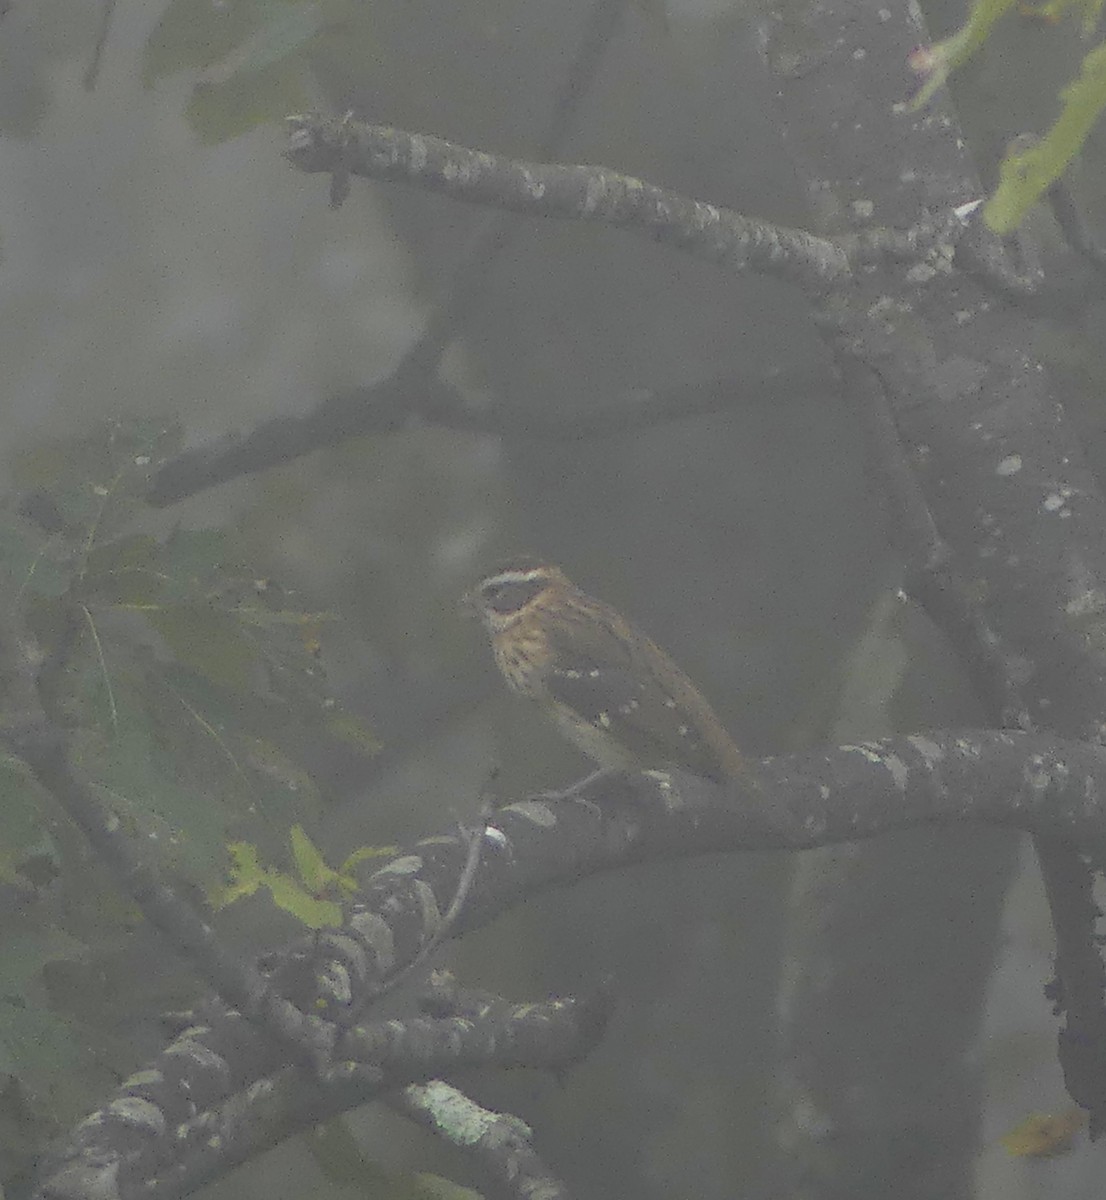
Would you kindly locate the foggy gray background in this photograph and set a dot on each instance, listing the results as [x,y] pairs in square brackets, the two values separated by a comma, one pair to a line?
[143,271]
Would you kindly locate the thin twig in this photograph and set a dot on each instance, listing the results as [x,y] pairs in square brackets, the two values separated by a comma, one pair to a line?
[475,837]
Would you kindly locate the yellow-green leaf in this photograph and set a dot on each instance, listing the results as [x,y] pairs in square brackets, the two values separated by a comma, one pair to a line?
[1045,1135]
[363,853]
[244,877]
[1025,175]
[312,912]
[310,864]
[936,62]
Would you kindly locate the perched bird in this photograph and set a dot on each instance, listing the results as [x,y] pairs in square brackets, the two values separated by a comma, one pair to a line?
[613,693]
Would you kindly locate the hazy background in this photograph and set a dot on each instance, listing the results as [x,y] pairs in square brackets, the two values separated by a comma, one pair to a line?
[149,269]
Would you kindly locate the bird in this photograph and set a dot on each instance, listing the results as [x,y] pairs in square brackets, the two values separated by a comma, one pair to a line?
[616,695]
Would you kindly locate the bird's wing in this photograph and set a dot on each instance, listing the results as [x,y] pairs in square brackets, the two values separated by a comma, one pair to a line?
[616,693]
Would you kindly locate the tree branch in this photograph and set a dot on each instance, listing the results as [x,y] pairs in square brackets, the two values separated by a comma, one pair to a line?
[581,193]
[499,1142]
[203,1146]
[403,398]
[1027,781]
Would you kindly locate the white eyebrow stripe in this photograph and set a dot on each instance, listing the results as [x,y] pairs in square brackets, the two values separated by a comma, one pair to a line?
[515,577]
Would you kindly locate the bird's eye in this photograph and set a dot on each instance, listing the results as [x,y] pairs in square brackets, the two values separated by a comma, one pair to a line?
[509,595]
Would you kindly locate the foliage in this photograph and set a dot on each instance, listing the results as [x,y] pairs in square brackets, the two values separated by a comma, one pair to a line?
[249,60]
[313,896]
[1045,1135]
[1025,174]
[249,55]
[935,63]
[196,700]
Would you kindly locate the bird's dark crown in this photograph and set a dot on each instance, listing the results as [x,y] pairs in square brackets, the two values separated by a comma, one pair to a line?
[516,583]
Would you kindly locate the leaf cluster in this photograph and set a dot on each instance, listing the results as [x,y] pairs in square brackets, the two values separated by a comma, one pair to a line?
[249,57]
[1030,166]
[196,699]
[313,895]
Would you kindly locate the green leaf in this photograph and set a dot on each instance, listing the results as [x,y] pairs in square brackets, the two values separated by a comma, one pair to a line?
[1045,1135]
[1025,176]
[286,30]
[166,780]
[36,1045]
[364,853]
[309,910]
[345,727]
[125,571]
[936,62]
[32,561]
[247,876]
[1053,11]
[97,481]
[244,877]
[25,954]
[23,833]
[314,873]
[196,33]
[210,641]
[219,741]
[195,562]
[223,111]
[49,621]
[270,761]
[248,54]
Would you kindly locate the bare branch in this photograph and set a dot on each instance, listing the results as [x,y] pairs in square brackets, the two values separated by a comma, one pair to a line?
[1028,781]
[581,193]
[500,1142]
[201,1147]
[399,400]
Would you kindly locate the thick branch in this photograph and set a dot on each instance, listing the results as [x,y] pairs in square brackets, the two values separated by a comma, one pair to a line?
[1026,781]
[203,1146]
[501,1143]
[581,193]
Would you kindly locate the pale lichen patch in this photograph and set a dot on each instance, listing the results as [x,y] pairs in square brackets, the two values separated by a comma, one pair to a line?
[1056,502]
[1036,773]
[420,155]
[1088,603]
[136,1111]
[871,753]
[900,773]
[669,792]
[534,185]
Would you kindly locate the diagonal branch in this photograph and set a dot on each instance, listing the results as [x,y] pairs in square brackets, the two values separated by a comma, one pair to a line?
[405,397]
[1027,781]
[582,193]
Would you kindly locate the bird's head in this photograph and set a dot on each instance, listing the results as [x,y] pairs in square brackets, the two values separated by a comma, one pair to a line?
[506,595]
